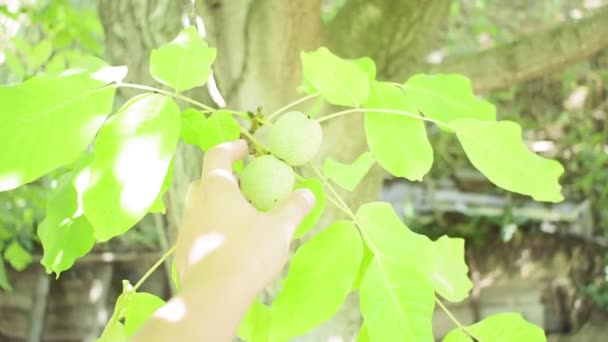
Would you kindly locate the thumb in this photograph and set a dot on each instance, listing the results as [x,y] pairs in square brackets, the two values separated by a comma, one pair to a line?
[294,208]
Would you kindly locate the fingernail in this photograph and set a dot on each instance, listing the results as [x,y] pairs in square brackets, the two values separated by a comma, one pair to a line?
[308,196]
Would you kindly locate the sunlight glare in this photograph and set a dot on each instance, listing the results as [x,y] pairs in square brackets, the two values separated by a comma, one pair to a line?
[204,245]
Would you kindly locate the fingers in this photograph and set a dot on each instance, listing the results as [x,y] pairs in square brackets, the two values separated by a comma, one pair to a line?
[293,210]
[219,159]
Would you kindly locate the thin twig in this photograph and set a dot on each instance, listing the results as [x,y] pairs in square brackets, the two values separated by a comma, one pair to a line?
[290,105]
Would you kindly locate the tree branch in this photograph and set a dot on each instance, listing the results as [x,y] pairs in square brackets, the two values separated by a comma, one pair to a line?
[532,56]
[388,31]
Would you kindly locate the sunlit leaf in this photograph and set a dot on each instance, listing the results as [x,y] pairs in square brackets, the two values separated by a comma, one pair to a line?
[339,81]
[367,65]
[132,155]
[363,335]
[399,143]
[39,54]
[348,176]
[321,274]
[220,127]
[504,327]
[17,256]
[159,205]
[447,97]
[396,295]
[497,150]
[184,63]
[316,187]
[65,234]
[52,130]
[15,65]
[192,125]
[449,272]
[255,325]
[138,309]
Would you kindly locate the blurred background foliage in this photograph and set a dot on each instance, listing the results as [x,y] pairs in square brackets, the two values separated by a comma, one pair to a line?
[564,116]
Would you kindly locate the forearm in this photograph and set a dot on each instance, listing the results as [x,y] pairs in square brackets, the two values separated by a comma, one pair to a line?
[207,309]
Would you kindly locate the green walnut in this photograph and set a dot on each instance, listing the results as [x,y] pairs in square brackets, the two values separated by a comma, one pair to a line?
[266,181]
[295,138]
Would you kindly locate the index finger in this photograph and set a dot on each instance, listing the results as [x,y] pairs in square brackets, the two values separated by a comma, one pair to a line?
[219,159]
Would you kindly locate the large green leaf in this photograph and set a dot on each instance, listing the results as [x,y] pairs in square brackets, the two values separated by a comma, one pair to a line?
[449,272]
[316,187]
[321,275]
[446,97]
[397,298]
[399,143]
[65,234]
[504,327]
[47,122]
[220,127]
[348,176]
[497,150]
[184,63]
[132,155]
[339,81]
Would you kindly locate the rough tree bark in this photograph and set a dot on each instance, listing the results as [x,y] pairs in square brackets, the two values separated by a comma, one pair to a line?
[259,42]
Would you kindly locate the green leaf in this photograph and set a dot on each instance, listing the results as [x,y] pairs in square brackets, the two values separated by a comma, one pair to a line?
[184,63]
[447,97]
[449,272]
[255,325]
[220,127]
[38,136]
[65,234]
[132,155]
[192,124]
[339,81]
[64,242]
[399,143]
[397,298]
[363,335]
[159,205]
[321,275]
[4,282]
[316,187]
[496,149]
[17,256]
[367,65]
[138,309]
[348,176]
[55,65]
[504,327]
[14,63]
[39,54]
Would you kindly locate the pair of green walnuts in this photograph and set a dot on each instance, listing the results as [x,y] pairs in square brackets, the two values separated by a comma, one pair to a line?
[294,140]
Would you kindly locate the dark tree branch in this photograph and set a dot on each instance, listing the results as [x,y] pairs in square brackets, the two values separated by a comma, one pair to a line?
[532,56]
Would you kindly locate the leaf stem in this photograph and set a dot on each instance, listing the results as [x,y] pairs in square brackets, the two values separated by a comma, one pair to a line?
[154,267]
[454,319]
[255,141]
[336,197]
[168,93]
[286,107]
[381,110]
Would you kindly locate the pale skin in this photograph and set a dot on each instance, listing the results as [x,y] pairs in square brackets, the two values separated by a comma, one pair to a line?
[226,253]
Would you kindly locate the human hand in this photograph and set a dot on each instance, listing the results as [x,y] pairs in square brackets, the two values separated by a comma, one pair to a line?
[223,235]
